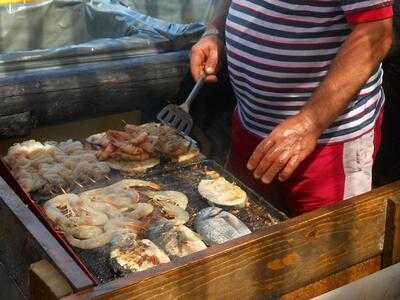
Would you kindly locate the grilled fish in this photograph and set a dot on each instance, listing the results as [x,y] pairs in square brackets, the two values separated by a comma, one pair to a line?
[176,241]
[135,256]
[217,226]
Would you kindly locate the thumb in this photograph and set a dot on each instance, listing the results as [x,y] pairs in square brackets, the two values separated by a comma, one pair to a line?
[212,62]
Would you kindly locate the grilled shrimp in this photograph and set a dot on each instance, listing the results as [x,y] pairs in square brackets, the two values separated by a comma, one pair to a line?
[86,216]
[139,139]
[141,210]
[116,135]
[92,243]
[68,209]
[173,197]
[84,231]
[124,225]
[107,208]
[106,153]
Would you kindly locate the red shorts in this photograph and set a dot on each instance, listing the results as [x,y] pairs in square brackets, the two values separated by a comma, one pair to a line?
[329,175]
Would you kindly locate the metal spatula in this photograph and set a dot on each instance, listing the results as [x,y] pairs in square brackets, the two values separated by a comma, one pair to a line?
[178,116]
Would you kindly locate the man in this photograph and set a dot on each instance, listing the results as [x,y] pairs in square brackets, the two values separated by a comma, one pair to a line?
[307,77]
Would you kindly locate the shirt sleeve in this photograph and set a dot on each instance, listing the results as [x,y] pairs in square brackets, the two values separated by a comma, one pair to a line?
[363,11]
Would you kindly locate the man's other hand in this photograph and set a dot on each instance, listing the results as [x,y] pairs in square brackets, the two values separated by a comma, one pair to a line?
[205,57]
[284,149]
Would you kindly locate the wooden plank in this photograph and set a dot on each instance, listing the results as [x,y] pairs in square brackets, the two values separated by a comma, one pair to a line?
[269,263]
[382,285]
[336,280]
[391,252]
[54,95]
[17,124]
[85,75]
[21,230]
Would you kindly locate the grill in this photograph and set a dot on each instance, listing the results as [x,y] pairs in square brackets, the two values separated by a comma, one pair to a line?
[185,178]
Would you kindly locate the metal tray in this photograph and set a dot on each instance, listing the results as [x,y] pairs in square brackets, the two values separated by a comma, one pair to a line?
[185,178]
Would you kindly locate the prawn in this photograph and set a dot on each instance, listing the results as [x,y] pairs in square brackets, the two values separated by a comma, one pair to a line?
[123,225]
[139,139]
[141,210]
[117,135]
[107,208]
[173,197]
[120,154]
[69,209]
[91,243]
[84,231]
[90,217]
[106,153]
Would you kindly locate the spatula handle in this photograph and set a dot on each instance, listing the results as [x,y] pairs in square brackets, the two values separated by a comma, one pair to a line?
[199,84]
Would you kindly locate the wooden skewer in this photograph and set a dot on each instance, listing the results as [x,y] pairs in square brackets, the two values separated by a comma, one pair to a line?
[92,180]
[123,121]
[108,178]
[78,184]
[63,190]
[51,193]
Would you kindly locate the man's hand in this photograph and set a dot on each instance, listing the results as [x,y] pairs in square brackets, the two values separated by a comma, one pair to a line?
[284,149]
[206,57]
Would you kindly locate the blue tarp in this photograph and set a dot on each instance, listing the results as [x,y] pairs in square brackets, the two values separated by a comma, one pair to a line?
[69,28]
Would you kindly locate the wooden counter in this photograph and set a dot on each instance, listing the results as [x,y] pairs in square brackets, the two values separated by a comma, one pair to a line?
[297,259]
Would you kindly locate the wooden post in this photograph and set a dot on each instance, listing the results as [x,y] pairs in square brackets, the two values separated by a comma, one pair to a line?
[391,249]
[46,283]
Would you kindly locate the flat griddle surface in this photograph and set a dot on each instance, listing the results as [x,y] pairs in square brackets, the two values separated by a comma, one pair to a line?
[257,215]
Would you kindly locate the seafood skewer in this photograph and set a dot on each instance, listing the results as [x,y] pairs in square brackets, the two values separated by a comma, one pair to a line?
[48,166]
[138,148]
[92,218]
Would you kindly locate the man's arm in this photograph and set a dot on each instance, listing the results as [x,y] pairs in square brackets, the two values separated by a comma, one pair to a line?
[207,52]
[294,139]
[219,16]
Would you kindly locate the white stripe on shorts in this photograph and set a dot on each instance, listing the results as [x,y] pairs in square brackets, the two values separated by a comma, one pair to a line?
[357,164]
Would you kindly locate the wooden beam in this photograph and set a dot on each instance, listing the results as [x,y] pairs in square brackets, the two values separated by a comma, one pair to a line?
[269,263]
[26,240]
[391,253]
[336,280]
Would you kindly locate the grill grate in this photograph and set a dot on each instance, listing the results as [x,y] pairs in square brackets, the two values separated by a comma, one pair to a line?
[260,214]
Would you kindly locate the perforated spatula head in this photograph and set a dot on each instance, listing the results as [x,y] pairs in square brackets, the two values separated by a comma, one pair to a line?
[174,116]
[178,116]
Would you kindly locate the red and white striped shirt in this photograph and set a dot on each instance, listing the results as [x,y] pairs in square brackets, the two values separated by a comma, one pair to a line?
[279,51]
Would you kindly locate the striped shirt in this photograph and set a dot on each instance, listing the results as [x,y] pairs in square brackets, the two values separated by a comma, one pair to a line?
[279,51]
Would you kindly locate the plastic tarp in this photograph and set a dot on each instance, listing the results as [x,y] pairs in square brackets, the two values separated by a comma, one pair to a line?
[66,28]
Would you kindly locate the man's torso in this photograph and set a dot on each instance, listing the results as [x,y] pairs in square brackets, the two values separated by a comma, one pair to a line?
[279,52]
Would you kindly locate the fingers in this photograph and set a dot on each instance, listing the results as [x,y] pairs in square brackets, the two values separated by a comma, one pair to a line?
[291,166]
[277,165]
[212,61]
[259,153]
[205,57]
[211,78]
[197,61]
[266,162]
